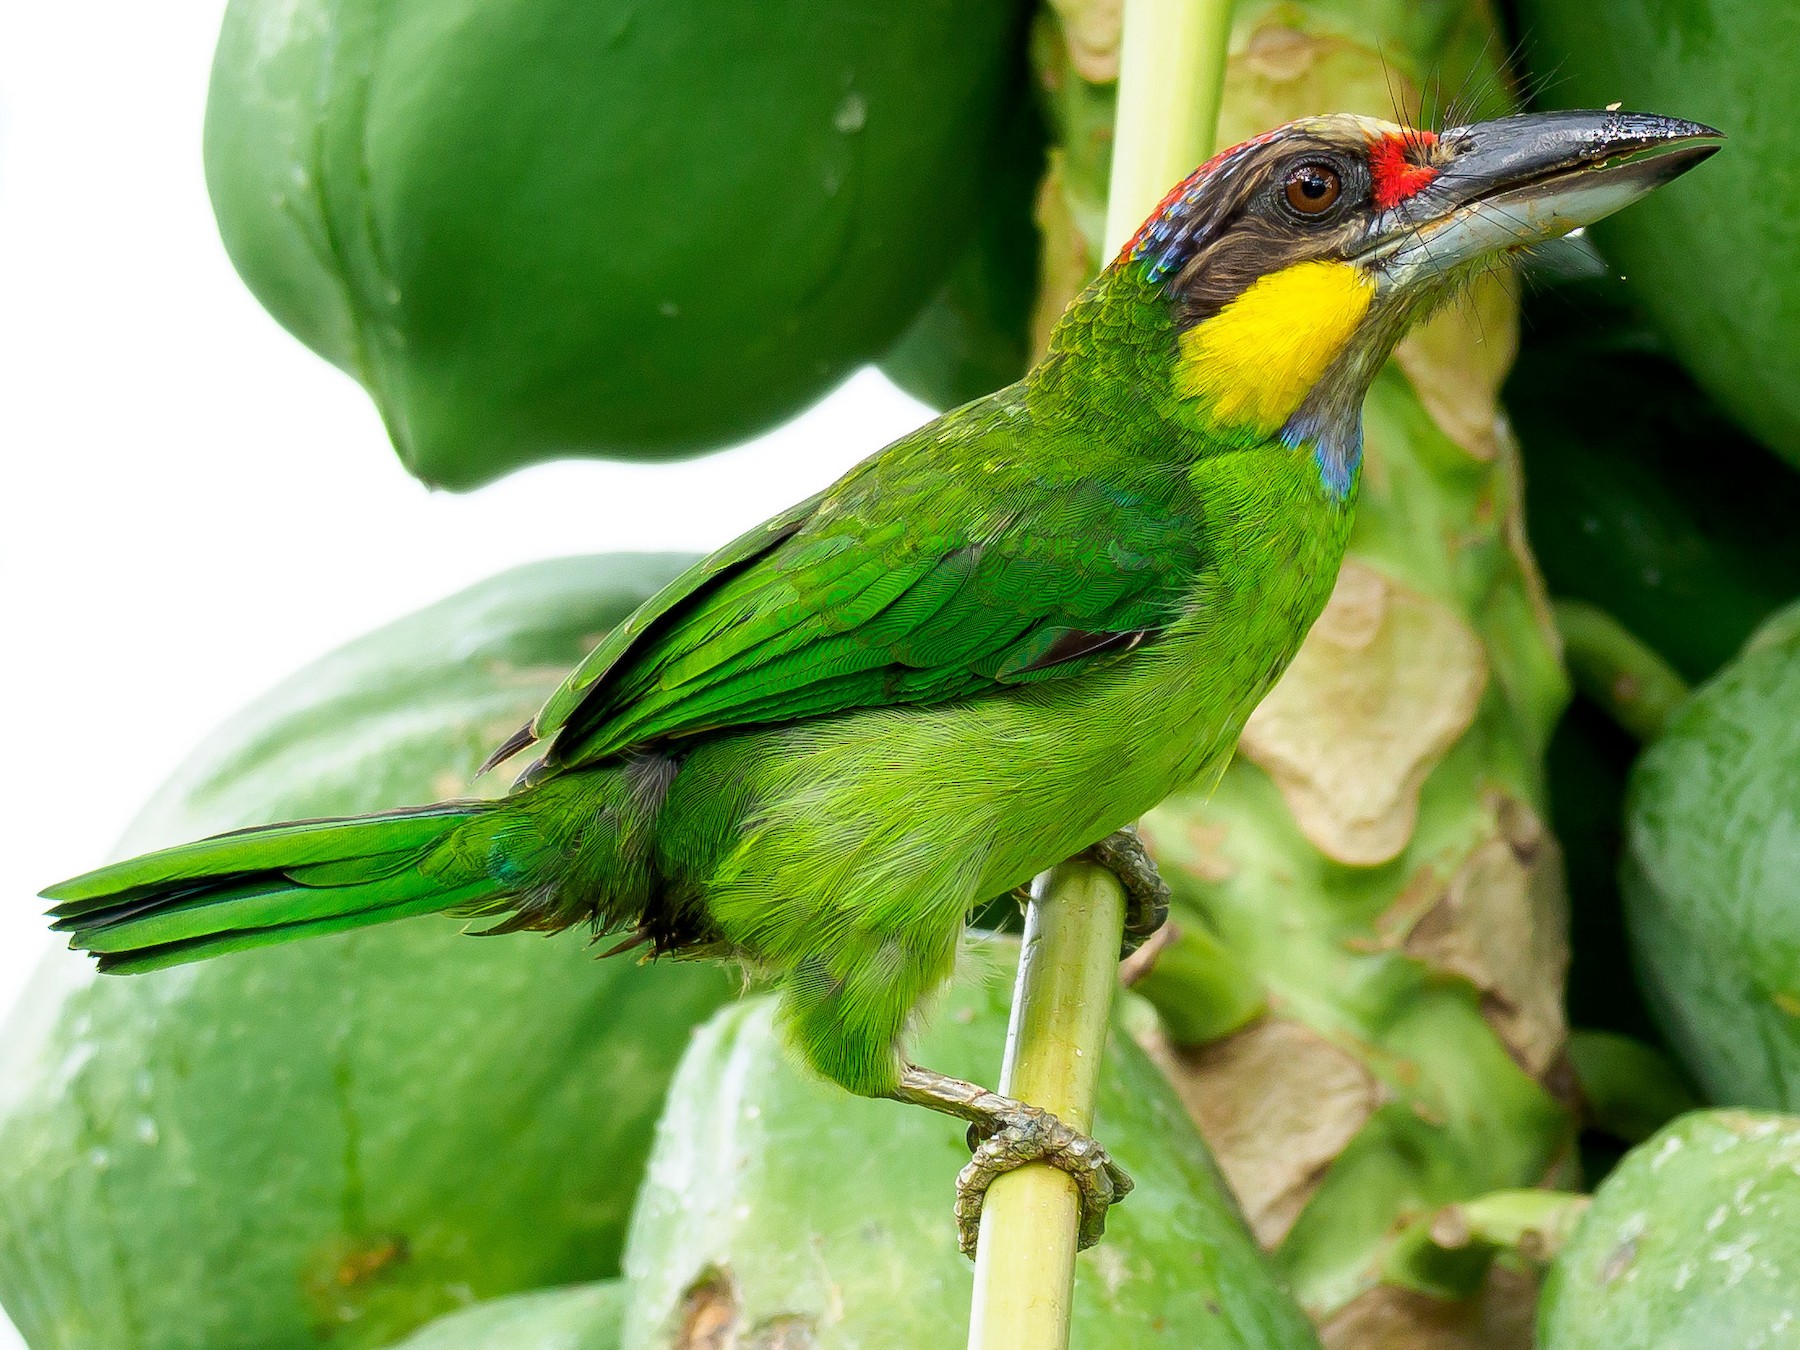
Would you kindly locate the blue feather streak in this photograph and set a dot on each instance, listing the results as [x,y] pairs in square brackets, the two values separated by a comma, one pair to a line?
[1337,446]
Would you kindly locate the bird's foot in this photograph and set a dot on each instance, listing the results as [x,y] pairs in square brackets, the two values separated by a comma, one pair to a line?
[1024,1134]
[1147,895]
[1005,1135]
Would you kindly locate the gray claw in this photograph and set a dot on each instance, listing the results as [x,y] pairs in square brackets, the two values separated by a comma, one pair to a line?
[1147,895]
[1029,1135]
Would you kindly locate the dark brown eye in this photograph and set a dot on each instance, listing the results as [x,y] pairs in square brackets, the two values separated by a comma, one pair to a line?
[1313,189]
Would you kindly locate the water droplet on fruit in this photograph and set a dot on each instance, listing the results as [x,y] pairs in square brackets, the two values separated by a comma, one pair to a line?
[852,113]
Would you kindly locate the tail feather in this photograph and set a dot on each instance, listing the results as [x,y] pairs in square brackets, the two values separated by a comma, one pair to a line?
[253,888]
[294,844]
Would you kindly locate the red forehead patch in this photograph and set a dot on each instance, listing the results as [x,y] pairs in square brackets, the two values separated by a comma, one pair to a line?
[1394,175]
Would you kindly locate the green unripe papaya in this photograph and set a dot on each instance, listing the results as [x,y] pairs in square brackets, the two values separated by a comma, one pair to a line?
[1641,496]
[595,227]
[1715,259]
[1692,1244]
[974,335]
[330,1143]
[1644,499]
[581,1317]
[778,1211]
[1712,853]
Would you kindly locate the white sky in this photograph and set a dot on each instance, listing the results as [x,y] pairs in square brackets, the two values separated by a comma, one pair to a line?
[191,504]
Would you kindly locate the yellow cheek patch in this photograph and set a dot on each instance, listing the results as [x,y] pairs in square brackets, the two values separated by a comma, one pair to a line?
[1255,360]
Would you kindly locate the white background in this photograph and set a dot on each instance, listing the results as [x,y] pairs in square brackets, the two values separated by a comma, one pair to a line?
[192,505]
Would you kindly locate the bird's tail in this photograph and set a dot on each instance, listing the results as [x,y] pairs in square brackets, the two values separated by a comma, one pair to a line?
[255,887]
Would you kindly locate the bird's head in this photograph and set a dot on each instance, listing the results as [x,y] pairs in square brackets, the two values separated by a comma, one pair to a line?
[1291,265]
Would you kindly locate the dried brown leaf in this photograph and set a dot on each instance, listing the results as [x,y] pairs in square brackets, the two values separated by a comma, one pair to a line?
[1502,924]
[1281,73]
[709,1314]
[1091,31]
[1277,1103]
[1387,681]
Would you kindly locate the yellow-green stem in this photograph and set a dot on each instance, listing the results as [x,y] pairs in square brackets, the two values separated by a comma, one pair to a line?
[1618,671]
[1068,970]
[1172,71]
[1171,78]
[1447,1255]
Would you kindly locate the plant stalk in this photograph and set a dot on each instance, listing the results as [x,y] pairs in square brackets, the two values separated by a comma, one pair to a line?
[1171,80]
[1637,688]
[1172,72]
[1631,1091]
[1062,1004]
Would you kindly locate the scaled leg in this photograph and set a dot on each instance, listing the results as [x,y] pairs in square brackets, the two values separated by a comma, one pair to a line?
[1007,1134]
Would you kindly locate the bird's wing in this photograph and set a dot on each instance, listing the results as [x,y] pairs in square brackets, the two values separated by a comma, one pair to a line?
[933,572]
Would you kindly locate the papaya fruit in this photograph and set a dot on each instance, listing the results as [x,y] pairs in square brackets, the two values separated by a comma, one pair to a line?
[579,1317]
[974,335]
[594,227]
[1712,850]
[1692,1244]
[1641,496]
[330,1143]
[777,1211]
[1715,260]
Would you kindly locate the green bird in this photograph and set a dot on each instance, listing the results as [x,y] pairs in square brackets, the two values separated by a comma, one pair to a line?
[987,648]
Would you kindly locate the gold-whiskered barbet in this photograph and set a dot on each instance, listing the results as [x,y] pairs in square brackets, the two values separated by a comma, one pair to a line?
[987,648]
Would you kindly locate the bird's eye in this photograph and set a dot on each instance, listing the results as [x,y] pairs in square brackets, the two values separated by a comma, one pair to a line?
[1313,189]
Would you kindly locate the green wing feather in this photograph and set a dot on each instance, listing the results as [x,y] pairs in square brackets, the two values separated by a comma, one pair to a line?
[697,579]
[940,569]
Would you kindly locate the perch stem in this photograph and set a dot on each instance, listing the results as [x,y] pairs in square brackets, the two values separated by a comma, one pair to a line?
[1171,79]
[1068,970]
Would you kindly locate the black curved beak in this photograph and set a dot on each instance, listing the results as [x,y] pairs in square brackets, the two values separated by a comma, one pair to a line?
[1517,181]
